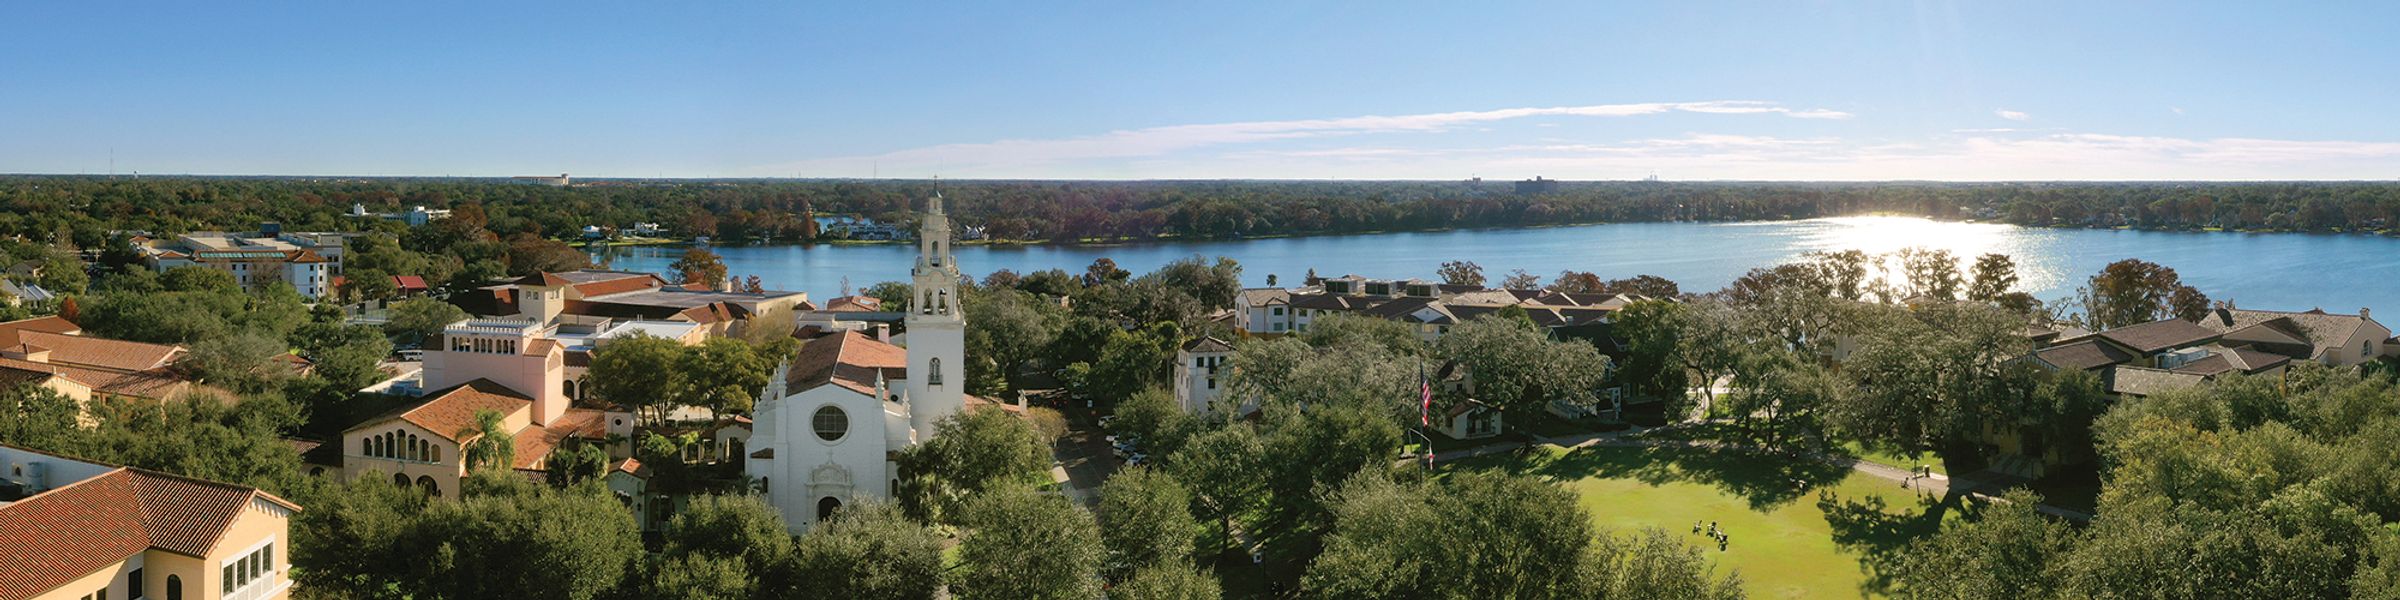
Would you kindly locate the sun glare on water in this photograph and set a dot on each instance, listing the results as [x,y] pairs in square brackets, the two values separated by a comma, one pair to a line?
[1887,235]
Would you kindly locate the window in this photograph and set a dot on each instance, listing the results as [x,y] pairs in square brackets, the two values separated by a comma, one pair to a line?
[831,423]
[133,584]
[1279,327]
[174,587]
[256,567]
[1279,311]
[933,369]
[826,507]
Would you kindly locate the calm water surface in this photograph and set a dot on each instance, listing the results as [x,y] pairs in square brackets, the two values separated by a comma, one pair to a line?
[2263,270]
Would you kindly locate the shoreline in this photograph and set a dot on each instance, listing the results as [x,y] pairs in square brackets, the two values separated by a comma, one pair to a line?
[1169,239]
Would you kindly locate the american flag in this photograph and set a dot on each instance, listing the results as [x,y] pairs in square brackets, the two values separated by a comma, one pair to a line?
[1425,398]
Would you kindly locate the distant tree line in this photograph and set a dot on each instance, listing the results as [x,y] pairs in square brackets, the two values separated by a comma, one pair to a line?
[83,209]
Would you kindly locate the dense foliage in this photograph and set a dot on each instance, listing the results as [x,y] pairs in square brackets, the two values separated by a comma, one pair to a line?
[84,209]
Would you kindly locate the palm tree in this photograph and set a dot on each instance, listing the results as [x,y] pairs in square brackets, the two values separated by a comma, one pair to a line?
[492,445]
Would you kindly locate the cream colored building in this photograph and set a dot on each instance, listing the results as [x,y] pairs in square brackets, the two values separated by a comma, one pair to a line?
[832,421]
[77,530]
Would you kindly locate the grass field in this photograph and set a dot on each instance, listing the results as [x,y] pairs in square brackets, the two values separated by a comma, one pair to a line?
[1789,539]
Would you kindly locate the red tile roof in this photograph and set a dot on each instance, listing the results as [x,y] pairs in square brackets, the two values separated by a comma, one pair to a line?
[157,384]
[49,324]
[408,282]
[534,442]
[103,353]
[631,282]
[849,359]
[854,304]
[447,412]
[64,534]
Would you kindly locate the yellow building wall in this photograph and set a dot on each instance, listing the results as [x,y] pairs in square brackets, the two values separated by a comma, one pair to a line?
[198,576]
[111,578]
[260,521]
[446,472]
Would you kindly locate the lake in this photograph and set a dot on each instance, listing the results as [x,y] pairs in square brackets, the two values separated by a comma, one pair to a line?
[2284,271]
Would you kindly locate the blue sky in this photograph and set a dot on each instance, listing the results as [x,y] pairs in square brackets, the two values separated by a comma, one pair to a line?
[1134,90]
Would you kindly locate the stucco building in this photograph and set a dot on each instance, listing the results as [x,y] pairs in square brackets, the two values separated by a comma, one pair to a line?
[833,421]
[76,530]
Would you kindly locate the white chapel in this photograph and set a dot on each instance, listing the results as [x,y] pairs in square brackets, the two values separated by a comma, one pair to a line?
[834,419]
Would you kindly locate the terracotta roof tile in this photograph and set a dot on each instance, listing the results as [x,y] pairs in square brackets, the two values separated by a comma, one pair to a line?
[61,535]
[849,359]
[619,285]
[534,442]
[49,324]
[116,355]
[155,384]
[447,412]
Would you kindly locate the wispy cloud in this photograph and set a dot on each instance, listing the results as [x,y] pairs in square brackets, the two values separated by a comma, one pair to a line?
[1461,144]
[1166,140]
[2012,115]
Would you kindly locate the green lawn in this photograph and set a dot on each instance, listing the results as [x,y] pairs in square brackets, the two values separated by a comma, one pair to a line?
[1789,540]
[1893,459]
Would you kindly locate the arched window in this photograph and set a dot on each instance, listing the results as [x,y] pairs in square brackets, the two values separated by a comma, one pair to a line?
[826,506]
[433,454]
[174,587]
[933,368]
[400,479]
[431,490]
[569,387]
[416,448]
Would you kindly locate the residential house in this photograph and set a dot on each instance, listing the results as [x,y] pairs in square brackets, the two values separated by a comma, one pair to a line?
[16,292]
[73,529]
[2315,335]
[1202,367]
[1470,419]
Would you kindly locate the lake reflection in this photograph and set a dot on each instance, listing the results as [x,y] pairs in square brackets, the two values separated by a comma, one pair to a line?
[2280,270]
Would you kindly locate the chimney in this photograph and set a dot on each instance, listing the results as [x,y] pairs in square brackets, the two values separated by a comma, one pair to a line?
[883,332]
[2362,312]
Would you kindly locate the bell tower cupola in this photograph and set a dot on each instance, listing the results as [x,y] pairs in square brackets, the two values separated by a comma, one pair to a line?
[937,327]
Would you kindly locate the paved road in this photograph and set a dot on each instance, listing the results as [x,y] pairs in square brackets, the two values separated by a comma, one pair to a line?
[1083,463]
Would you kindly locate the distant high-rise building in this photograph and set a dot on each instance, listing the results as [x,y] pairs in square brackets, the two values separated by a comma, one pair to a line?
[1537,185]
